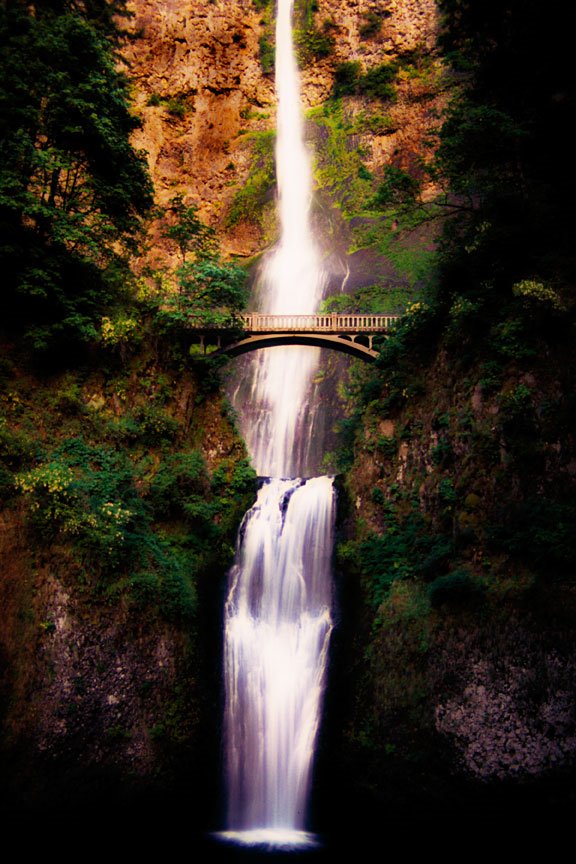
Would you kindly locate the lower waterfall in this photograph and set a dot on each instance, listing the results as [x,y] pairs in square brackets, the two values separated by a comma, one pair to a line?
[277,624]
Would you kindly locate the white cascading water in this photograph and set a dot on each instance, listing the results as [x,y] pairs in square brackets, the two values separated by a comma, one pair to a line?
[277,615]
[292,283]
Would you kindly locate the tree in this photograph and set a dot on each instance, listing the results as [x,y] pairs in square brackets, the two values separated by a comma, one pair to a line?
[211,293]
[188,231]
[72,188]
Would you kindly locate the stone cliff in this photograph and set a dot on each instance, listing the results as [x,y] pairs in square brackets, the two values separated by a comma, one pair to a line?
[205,94]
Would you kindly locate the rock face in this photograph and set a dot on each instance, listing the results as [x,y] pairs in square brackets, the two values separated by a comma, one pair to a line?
[406,25]
[512,714]
[105,691]
[202,94]
[93,682]
[196,71]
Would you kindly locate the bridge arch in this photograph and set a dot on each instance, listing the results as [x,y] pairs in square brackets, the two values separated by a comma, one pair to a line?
[348,345]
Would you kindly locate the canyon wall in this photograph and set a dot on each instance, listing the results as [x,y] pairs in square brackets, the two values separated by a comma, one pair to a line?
[205,95]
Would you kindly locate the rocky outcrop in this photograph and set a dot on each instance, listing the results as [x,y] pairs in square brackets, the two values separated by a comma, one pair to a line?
[197,80]
[202,95]
[95,682]
[512,713]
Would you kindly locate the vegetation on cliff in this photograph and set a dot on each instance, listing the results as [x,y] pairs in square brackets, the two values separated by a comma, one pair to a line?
[122,478]
[466,500]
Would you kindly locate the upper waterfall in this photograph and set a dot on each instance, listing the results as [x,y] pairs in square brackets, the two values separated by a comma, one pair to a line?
[280,432]
[294,272]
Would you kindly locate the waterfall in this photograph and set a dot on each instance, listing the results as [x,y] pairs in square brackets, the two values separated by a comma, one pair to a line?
[277,614]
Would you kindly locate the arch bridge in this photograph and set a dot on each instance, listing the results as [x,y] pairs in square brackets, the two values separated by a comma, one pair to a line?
[350,333]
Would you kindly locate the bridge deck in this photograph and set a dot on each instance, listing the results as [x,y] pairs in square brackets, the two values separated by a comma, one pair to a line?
[255,322]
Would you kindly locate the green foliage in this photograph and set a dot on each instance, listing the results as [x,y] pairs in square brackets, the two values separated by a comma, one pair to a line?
[498,149]
[176,106]
[72,189]
[154,424]
[373,124]
[249,113]
[537,295]
[540,531]
[346,78]
[187,230]
[180,478]
[120,331]
[397,186]
[510,339]
[87,495]
[364,173]
[380,299]
[375,83]
[442,454]
[339,164]
[250,201]
[486,137]
[312,44]
[108,508]
[456,587]
[16,447]
[267,54]
[378,82]
[405,550]
[371,26]
[211,293]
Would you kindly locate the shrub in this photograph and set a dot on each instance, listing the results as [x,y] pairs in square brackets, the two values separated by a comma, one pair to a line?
[378,82]
[537,294]
[312,44]
[86,494]
[179,477]
[346,78]
[266,52]
[16,448]
[455,587]
[397,187]
[120,331]
[371,26]
[374,124]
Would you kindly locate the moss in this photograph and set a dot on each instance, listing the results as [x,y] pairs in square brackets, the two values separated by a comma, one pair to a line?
[312,44]
[177,106]
[249,203]
[266,54]
[339,164]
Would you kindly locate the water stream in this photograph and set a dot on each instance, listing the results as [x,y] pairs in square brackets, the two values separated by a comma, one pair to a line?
[278,608]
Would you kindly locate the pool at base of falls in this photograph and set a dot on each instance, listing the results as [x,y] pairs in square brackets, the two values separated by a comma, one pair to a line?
[285,838]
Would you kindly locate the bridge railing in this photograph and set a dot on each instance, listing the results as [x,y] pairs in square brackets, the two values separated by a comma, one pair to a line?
[255,322]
